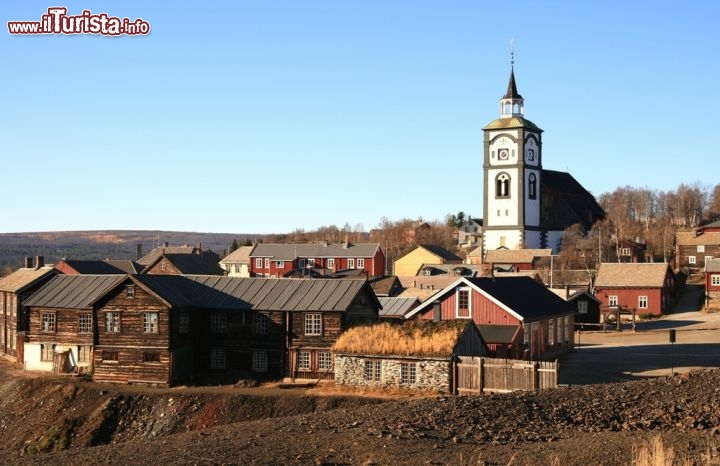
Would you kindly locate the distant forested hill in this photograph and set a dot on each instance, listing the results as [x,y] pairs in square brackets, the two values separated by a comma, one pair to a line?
[105,244]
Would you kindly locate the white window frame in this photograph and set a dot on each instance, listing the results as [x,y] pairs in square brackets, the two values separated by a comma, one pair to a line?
[624,251]
[303,361]
[373,370]
[258,263]
[48,322]
[691,260]
[612,300]
[313,324]
[408,373]
[129,291]
[84,353]
[715,280]
[85,323]
[113,322]
[47,351]
[351,264]
[551,331]
[279,264]
[267,263]
[331,263]
[301,263]
[151,322]
[259,361]
[582,307]
[458,292]
[642,302]
[310,262]
[325,361]
[701,248]
[361,263]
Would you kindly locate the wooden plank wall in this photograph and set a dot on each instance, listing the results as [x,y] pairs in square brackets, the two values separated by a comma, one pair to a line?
[475,376]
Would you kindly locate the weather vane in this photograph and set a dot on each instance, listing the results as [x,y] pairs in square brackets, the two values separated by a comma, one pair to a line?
[512,53]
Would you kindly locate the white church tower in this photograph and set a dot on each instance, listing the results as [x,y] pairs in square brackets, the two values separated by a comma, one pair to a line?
[512,168]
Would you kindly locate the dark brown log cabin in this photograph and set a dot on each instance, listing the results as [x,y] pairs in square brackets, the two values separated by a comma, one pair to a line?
[162,329]
[278,327]
[14,290]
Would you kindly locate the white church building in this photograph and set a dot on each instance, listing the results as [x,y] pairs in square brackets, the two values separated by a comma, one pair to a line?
[524,205]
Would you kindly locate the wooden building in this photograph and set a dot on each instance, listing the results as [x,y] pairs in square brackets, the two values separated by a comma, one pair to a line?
[587,308]
[694,248]
[163,329]
[322,259]
[645,288]
[97,267]
[423,255]
[543,320]
[15,289]
[712,284]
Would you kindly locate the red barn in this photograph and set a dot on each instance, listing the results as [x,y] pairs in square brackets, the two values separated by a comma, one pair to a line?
[643,288]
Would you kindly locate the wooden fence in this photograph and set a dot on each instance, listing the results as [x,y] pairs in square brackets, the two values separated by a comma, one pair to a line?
[475,375]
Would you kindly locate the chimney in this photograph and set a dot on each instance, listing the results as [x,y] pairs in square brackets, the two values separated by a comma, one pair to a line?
[39,261]
[199,248]
[138,251]
[28,262]
[436,311]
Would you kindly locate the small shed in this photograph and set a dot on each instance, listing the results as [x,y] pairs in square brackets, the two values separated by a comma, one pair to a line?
[415,355]
[587,308]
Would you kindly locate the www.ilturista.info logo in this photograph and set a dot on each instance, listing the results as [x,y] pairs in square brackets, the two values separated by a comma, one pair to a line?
[57,21]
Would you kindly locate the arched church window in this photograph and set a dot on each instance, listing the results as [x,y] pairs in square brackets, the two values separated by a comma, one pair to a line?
[532,186]
[502,185]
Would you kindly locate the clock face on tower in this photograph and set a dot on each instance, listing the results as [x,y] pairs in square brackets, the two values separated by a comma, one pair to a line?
[531,155]
[503,154]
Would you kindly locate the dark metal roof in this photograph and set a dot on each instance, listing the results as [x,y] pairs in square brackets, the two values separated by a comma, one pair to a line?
[512,92]
[290,252]
[105,267]
[570,203]
[191,264]
[152,256]
[522,296]
[277,294]
[397,307]
[498,333]
[441,252]
[74,291]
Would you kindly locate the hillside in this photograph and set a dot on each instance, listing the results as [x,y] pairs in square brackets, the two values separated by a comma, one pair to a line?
[102,244]
[62,420]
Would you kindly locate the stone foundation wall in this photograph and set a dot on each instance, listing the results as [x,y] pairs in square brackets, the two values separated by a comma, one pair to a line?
[431,374]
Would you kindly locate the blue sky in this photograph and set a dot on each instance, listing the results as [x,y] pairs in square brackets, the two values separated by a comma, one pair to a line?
[261,117]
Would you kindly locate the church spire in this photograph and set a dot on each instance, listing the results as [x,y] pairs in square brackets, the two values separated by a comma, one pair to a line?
[512,103]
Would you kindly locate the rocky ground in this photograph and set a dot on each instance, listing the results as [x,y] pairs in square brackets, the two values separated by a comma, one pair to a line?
[70,421]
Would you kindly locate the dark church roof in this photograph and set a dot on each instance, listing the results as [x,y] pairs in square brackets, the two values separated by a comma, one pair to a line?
[512,92]
[565,202]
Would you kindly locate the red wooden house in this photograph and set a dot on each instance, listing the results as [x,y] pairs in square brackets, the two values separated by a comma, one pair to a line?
[536,323]
[712,284]
[643,288]
[279,260]
[694,248]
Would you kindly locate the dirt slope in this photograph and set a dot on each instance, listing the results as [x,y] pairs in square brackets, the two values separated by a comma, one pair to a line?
[67,421]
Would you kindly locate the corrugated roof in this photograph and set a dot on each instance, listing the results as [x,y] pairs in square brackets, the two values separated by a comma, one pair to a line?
[74,291]
[615,275]
[276,293]
[103,267]
[397,307]
[290,252]
[22,278]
